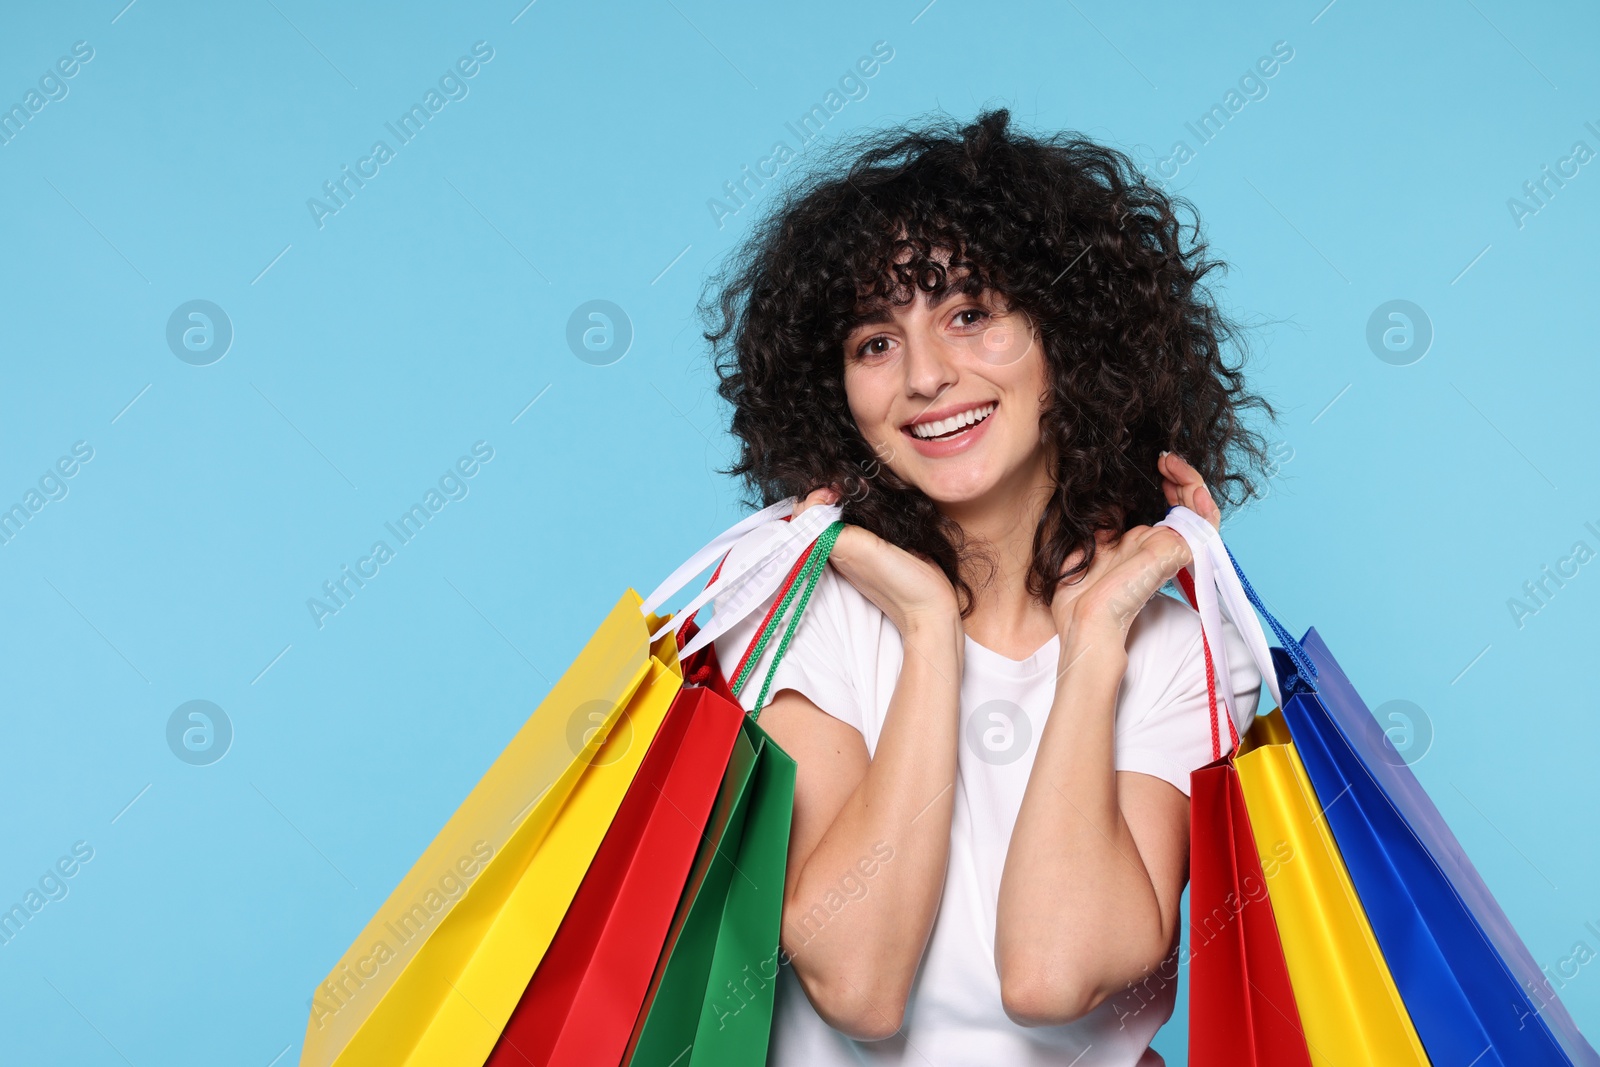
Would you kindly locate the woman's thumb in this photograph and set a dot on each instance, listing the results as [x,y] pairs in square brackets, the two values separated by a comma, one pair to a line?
[824,495]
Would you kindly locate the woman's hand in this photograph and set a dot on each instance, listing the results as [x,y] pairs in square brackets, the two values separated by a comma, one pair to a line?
[1182,484]
[909,588]
[1100,605]
[1127,570]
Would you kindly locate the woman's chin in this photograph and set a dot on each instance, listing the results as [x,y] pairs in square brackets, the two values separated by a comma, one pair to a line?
[957,488]
[965,482]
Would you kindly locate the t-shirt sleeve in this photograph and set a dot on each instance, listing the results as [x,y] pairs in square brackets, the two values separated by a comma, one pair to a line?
[817,662]
[1163,708]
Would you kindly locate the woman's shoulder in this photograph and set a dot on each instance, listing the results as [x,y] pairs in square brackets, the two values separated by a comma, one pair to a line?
[1164,646]
[1164,624]
[836,615]
[830,654]
[1164,716]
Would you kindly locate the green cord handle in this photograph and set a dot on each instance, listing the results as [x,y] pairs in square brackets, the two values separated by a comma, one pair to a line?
[772,622]
[809,575]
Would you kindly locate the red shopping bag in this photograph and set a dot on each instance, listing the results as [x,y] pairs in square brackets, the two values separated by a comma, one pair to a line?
[580,1006]
[1241,1007]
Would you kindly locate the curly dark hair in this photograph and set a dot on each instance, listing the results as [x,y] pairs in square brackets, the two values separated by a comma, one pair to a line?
[1069,232]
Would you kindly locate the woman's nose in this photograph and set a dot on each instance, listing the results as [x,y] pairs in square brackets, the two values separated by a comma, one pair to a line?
[930,366]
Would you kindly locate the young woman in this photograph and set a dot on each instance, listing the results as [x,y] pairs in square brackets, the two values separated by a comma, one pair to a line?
[997,353]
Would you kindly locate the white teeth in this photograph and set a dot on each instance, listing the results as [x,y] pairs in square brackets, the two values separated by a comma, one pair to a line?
[954,422]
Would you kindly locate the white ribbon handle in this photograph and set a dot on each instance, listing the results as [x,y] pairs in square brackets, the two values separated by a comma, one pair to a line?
[712,550]
[1213,575]
[750,584]
[737,594]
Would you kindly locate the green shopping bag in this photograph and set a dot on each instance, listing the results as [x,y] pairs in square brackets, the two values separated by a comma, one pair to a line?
[711,999]
[715,999]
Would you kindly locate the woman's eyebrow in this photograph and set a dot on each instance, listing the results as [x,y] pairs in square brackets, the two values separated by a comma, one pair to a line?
[875,317]
[880,314]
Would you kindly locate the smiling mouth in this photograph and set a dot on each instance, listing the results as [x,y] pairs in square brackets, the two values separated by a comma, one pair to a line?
[954,426]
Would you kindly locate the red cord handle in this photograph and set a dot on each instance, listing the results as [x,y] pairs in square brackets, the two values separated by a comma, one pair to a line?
[1186,581]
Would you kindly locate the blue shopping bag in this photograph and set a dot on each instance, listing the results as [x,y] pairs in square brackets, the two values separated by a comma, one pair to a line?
[1473,991]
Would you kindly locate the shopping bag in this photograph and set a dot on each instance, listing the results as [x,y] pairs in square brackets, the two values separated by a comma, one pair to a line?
[439,969]
[1242,1010]
[1241,1005]
[1346,996]
[377,1000]
[1343,997]
[710,1002]
[584,998]
[665,1028]
[482,964]
[580,1007]
[713,1002]
[1471,986]
[467,1025]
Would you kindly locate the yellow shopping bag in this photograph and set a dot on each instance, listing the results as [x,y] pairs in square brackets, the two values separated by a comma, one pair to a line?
[434,976]
[1348,1003]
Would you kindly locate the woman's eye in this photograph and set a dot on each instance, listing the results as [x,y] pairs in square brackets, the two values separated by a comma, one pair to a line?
[871,346]
[978,312]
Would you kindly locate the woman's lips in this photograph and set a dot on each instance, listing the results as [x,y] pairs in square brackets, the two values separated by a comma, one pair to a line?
[939,447]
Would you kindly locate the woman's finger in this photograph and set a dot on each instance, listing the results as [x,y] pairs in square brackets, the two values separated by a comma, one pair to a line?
[825,495]
[1171,548]
[1182,484]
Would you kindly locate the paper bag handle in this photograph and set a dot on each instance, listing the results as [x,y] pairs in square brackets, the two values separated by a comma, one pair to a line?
[1216,574]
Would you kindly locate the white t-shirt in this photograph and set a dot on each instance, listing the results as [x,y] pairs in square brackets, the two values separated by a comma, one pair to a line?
[845,656]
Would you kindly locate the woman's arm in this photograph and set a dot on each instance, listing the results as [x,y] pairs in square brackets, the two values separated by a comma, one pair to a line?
[870,837]
[1090,889]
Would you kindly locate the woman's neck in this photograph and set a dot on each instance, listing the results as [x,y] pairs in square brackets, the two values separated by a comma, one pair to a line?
[1005,618]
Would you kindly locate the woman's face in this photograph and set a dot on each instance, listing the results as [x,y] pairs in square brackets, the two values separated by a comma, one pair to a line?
[949,394]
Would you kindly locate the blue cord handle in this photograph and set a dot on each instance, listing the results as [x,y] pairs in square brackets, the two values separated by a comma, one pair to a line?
[1305,670]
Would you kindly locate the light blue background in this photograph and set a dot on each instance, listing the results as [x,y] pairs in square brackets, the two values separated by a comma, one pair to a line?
[428,313]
